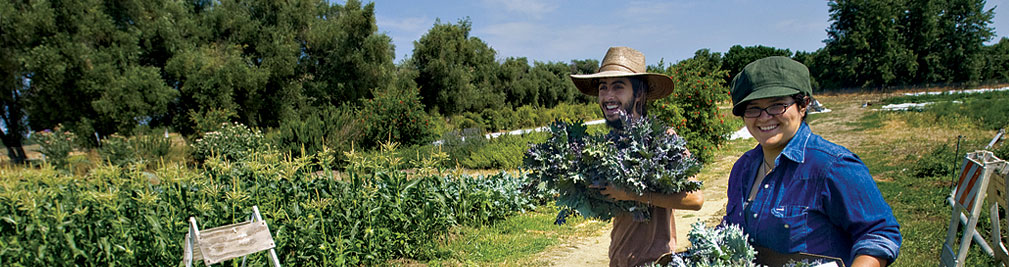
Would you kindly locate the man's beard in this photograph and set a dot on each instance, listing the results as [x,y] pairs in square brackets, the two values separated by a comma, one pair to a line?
[618,124]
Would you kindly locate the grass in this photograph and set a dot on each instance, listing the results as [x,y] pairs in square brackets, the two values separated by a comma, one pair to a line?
[893,144]
[512,241]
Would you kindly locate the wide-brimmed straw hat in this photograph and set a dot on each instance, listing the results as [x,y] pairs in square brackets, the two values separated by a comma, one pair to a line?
[624,62]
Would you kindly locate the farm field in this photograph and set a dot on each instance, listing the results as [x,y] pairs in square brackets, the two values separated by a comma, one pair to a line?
[112,214]
[900,149]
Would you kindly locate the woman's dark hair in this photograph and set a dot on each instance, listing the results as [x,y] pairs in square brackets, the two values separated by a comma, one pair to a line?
[802,101]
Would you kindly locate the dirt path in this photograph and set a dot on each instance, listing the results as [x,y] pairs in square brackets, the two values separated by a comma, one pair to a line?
[592,250]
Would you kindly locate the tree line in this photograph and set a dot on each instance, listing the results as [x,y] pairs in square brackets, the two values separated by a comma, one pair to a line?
[321,73]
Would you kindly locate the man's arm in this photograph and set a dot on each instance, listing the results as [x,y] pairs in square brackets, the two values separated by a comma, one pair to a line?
[681,201]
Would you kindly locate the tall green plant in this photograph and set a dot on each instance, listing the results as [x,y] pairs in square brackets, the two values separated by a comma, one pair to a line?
[233,141]
[394,115]
[692,109]
[55,145]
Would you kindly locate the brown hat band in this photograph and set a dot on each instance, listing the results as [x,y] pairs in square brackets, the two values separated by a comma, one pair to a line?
[604,67]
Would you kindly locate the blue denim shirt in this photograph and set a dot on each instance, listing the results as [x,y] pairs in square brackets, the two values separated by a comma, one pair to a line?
[819,198]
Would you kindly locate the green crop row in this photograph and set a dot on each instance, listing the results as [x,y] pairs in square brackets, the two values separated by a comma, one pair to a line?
[123,215]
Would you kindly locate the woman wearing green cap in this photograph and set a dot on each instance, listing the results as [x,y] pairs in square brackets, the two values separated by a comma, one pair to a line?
[796,192]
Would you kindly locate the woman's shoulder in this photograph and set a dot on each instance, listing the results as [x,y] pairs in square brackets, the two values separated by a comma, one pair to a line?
[818,147]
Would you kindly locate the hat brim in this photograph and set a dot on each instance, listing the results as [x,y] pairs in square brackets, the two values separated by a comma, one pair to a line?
[762,93]
[659,85]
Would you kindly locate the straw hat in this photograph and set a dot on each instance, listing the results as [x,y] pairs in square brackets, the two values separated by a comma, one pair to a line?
[624,62]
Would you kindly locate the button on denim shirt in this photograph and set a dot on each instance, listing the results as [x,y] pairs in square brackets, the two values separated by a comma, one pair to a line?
[819,198]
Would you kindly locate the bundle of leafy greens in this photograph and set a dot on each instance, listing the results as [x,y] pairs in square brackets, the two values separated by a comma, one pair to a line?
[721,246]
[640,158]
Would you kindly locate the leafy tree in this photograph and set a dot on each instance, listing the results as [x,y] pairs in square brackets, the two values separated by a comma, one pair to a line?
[345,55]
[738,56]
[513,79]
[18,23]
[997,64]
[865,45]
[553,83]
[965,29]
[85,68]
[921,28]
[455,70]
[215,78]
[584,66]
[394,115]
[693,107]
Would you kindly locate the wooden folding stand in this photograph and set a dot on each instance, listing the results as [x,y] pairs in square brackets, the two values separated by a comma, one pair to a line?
[997,196]
[975,175]
[230,241]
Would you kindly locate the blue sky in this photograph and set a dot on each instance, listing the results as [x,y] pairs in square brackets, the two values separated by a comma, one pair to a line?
[562,30]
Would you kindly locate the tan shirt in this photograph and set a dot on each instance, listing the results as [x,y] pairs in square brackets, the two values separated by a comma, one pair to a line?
[639,243]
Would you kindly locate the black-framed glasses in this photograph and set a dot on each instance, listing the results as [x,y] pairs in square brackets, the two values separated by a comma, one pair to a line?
[773,110]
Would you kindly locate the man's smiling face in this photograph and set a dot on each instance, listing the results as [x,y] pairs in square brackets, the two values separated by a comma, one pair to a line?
[616,96]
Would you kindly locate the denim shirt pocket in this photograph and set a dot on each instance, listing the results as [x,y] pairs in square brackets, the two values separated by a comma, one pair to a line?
[789,223]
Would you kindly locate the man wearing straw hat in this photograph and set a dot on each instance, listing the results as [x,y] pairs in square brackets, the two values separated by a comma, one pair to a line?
[623,87]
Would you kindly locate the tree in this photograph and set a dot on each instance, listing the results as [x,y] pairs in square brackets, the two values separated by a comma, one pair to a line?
[85,68]
[965,28]
[18,23]
[699,85]
[997,64]
[455,70]
[345,55]
[513,79]
[585,66]
[864,43]
[921,30]
[738,56]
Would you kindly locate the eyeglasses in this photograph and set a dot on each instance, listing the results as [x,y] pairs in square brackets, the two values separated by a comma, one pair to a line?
[772,110]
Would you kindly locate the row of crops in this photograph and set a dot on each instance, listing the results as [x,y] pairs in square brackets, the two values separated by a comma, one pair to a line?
[132,215]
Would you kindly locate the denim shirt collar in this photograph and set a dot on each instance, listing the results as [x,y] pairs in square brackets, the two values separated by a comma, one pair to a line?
[796,148]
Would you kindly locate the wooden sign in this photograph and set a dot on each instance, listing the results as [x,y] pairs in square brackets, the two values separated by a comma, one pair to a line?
[227,242]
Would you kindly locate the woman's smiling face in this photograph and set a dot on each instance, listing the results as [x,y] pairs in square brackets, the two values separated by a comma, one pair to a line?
[774,131]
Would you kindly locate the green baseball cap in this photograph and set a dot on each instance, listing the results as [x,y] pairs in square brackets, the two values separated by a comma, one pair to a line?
[769,77]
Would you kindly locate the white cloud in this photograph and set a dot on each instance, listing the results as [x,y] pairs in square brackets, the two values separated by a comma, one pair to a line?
[791,25]
[404,31]
[545,42]
[531,8]
[407,24]
[651,9]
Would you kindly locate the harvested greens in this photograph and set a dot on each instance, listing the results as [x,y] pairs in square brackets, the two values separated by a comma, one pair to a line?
[720,246]
[640,158]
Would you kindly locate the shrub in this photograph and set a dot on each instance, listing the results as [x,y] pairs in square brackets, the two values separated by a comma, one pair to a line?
[693,107]
[333,129]
[233,141]
[394,116]
[55,145]
[460,145]
[938,162]
[211,120]
[503,152]
[117,150]
[152,147]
